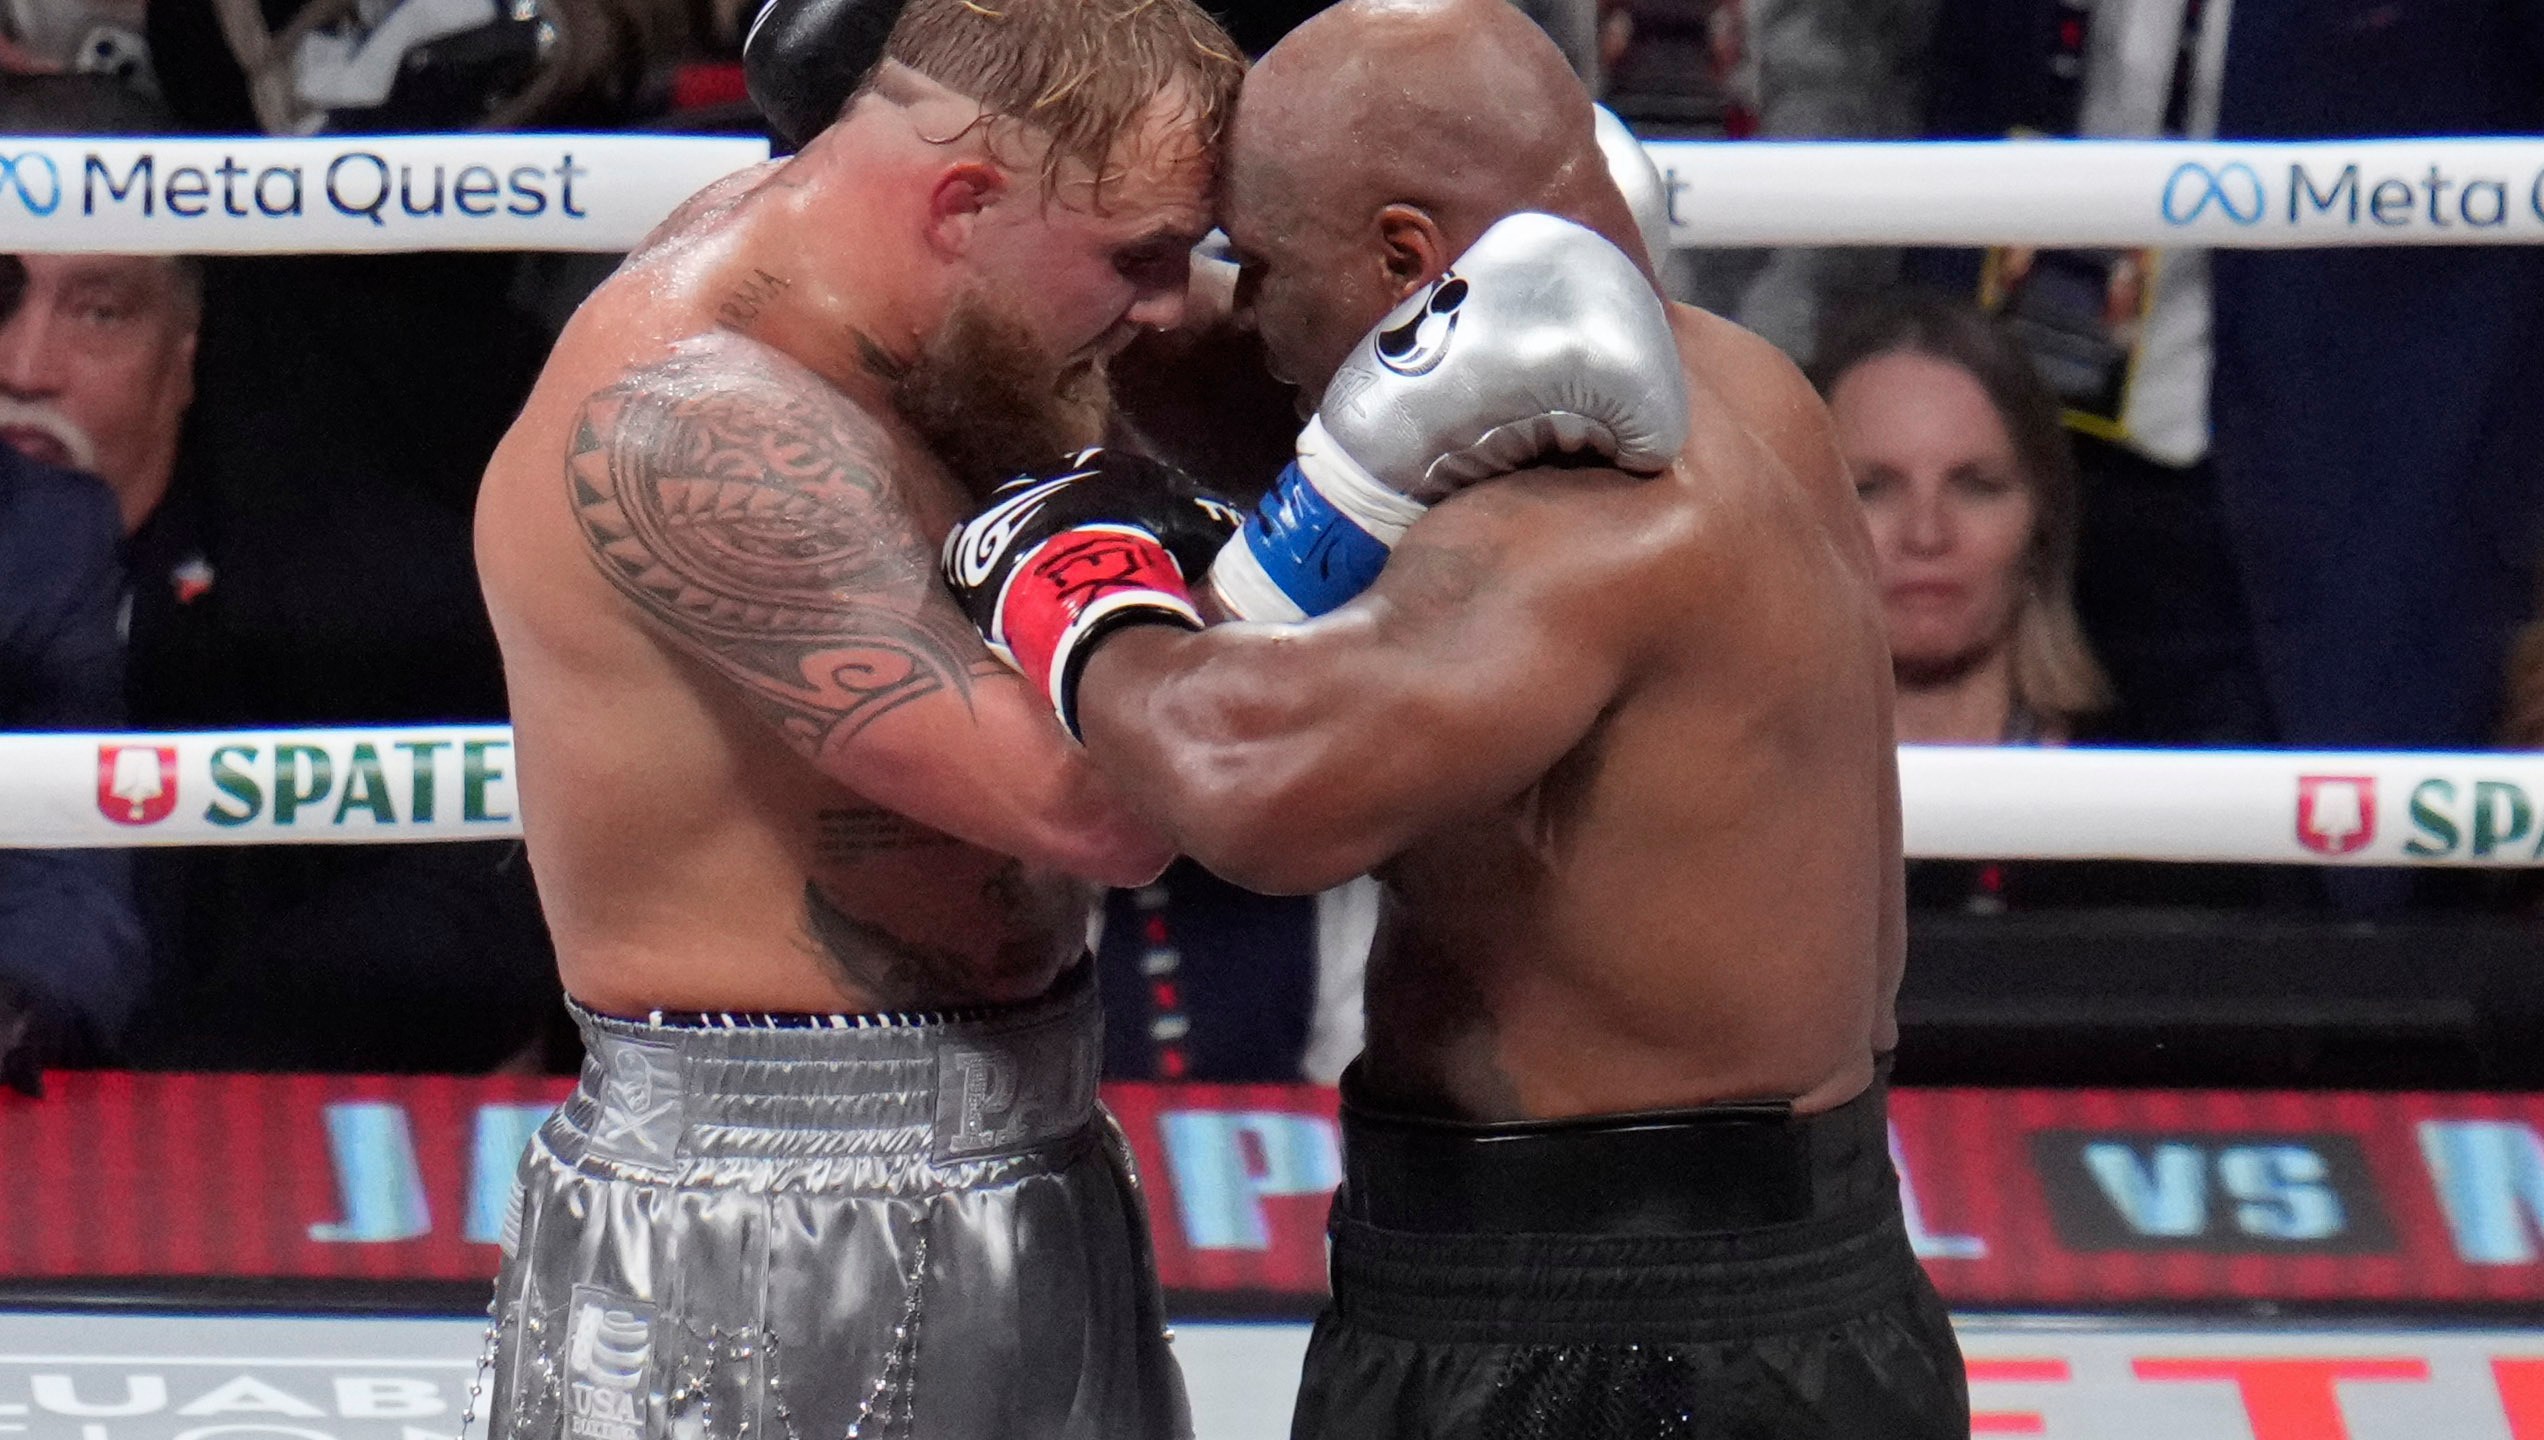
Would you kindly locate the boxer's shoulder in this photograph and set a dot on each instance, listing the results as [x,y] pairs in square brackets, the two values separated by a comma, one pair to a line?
[717,384]
[1760,431]
[703,213]
[1751,382]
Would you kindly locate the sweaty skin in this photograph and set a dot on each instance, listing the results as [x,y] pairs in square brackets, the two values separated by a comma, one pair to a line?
[765,763]
[1619,749]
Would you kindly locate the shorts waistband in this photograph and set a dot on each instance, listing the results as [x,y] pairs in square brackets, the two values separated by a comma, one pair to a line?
[1563,1289]
[938,1087]
[1661,1173]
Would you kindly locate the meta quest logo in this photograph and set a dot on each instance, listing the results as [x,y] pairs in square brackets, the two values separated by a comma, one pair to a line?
[34,179]
[380,186]
[2361,194]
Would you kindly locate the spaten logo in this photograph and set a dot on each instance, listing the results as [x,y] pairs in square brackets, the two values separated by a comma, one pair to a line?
[2336,814]
[136,784]
[2234,188]
[18,174]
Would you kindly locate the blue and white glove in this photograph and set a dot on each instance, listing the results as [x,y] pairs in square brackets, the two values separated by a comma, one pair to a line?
[1542,338]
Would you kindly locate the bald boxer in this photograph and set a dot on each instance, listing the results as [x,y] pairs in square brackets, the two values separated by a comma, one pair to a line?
[817,867]
[1615,737]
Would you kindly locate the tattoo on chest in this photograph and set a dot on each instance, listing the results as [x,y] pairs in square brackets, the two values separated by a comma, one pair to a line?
[750,514]
[750,297]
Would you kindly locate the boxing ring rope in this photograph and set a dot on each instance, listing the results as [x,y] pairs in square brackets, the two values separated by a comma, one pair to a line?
[387,785]
[604,192]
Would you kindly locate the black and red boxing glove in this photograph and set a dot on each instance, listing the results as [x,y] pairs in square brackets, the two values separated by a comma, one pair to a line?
[1056,562]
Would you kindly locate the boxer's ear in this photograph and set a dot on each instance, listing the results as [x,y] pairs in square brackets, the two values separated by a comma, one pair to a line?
[963,190]
[1413,251]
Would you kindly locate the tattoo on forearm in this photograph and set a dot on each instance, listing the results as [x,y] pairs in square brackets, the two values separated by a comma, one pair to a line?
[749,298]
[750,512]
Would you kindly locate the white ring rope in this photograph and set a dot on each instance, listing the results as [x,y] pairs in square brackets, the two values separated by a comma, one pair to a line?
[456,783]
[2211,194]
[251,196]
[605,192]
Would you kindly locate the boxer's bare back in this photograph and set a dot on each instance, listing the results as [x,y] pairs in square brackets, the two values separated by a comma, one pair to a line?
[765,764]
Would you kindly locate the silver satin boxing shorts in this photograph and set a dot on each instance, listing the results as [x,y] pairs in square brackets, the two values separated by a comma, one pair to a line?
[836,1226]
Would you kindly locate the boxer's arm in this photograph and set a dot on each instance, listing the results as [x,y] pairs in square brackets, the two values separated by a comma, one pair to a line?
[1289,758]
[750,517]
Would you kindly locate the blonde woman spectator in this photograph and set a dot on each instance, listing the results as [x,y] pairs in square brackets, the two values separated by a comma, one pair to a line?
[1968,485]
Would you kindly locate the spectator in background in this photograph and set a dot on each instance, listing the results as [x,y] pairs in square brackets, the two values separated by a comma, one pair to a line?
[97,369]
[90,37]
[292,445]
[2361,460]
[1969,487]
[2124,337]
[73,964]
[1970,491]
[1779,70]
[300,67]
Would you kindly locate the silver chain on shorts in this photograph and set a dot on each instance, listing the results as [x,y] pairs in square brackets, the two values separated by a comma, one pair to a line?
[891,1401]
[498,1320]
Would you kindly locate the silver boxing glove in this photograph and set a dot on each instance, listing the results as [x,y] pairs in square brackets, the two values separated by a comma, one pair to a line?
[1646,191]
[1542,338]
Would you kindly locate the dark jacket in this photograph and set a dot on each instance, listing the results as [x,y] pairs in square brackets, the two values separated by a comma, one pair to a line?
[69,938]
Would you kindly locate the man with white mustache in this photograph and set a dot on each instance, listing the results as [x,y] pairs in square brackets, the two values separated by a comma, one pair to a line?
[97,369]
[290,442]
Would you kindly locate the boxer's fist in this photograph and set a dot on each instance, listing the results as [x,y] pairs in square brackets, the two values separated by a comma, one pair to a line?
[802,59]
[1056,562]
[1542,339]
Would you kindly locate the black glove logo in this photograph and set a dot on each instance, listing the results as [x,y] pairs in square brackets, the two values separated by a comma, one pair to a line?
[973,549]
[1417,346]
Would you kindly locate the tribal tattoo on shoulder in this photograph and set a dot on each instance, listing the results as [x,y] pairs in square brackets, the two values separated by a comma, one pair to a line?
[752,515]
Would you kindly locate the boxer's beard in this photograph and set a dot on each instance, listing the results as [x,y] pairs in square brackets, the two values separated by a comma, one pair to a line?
[47,435]
[993,404]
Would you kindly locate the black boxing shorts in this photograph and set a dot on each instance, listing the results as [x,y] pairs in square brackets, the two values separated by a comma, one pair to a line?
[810,1227]
[1735,1270]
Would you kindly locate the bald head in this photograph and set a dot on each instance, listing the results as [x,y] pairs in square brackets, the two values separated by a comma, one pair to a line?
[1462,108]
[1373,145]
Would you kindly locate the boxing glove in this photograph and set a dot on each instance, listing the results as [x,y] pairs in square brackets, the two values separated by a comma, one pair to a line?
[802,59]
[1055,562]
[1637,179]
[1542,338]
